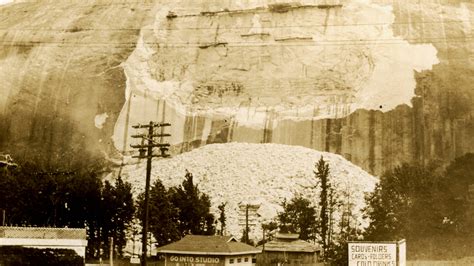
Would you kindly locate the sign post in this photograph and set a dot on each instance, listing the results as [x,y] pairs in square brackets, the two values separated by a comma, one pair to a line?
[402,252]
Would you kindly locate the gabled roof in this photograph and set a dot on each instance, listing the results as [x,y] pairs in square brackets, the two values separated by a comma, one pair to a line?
[43,232]
[208,245]
[296,245]
[287,236]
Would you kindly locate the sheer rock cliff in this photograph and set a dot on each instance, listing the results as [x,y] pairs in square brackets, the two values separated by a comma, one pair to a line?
[379,82]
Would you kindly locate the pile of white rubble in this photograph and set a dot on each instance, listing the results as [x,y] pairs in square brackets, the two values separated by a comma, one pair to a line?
[262,175]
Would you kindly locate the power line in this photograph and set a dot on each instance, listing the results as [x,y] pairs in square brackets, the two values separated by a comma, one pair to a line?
[243,27]
[167,46]
[465,39]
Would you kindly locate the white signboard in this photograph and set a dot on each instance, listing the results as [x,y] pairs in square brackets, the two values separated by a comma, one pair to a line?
[372,254]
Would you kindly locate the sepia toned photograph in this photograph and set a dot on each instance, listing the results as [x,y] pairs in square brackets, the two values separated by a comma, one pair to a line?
[237,132]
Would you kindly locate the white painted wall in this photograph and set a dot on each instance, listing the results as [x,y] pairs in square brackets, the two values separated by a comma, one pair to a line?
[236,260]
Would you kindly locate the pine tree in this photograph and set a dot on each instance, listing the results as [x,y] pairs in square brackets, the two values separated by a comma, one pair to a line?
[116,211]
[222,218]
[193,207]
[123,214]
[322,175]
[178,211]
[163,215]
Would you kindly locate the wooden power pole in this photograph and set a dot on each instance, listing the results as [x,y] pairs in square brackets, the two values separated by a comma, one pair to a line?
[146,151]
[246,224]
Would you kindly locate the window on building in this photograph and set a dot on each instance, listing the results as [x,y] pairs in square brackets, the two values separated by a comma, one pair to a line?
[239,260]
[231,261]
[246,259]
[254,260]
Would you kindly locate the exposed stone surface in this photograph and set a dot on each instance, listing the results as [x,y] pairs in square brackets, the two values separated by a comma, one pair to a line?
[262,175]
[217,85]
[303,73]
[60,67]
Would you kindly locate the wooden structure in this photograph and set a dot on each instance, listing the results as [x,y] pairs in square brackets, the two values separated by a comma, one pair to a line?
[288,250]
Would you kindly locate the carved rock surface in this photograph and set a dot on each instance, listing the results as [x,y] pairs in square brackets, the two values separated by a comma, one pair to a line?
[379,82]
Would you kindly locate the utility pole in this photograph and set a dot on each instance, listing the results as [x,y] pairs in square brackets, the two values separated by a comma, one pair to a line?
[247,216]
[111,251]
[146,151]
[246,224]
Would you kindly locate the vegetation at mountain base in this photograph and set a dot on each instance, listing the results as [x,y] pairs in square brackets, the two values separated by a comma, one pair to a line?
[430,208]
[162,214]
[245,237]
[317,223]
[222,218]
[177,211]
[118,206]
[300,217]
[15,255]
[428,205]
[269,229]
[31,196]
[322,176]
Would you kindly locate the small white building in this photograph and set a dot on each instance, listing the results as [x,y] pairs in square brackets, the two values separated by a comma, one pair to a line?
[45,237]
[195,250]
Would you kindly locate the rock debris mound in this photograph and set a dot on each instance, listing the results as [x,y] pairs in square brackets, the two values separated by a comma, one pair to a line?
[262,175]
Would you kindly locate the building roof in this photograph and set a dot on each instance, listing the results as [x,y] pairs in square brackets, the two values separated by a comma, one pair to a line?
[42,232]
[208,245]
[287,236]
[288,243]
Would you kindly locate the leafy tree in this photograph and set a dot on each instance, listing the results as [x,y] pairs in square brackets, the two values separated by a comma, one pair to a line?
[125,212]
[245,237]
[428,208]
[298,216]
[408,202]
[178,211]
[268,230]
[34,196]
[163,215]
[117,213]
[460,181]
[17,255]
[193,208]
[82,201]
[270,226]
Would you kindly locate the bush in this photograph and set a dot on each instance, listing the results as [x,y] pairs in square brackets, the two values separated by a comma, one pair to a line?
[13,255]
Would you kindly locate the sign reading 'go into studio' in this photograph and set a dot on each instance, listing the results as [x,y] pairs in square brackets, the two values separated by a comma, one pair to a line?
[377,254]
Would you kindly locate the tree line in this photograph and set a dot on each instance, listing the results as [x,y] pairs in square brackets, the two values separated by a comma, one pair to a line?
[32,196]
[430,206]
[178,211]
[317,223]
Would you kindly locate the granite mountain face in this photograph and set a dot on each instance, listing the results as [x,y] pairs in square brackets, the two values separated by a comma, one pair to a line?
[379,82]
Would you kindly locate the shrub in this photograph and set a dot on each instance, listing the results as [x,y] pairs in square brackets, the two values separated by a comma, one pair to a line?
[14,255]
